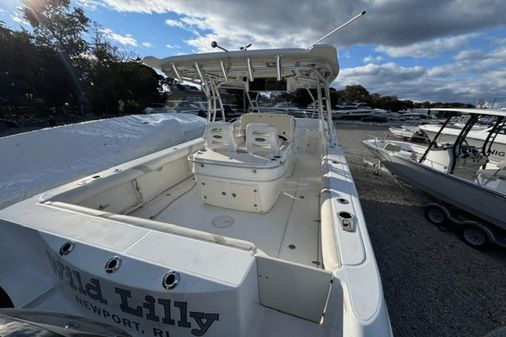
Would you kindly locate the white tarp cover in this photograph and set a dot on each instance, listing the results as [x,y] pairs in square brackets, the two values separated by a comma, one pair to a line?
[37,161]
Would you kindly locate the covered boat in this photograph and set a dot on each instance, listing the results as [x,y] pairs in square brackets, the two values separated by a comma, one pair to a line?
[254,230]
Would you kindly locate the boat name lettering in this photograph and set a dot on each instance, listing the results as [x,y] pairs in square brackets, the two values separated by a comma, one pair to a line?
[160,310]
[147,309]
[496,152]
[90,289]
[97,310]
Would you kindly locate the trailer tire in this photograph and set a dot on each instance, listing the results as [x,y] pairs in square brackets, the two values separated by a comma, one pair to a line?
[475,237]
[436,215]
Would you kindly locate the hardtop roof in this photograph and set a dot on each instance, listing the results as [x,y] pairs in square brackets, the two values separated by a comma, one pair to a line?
[263,63]
[490,112]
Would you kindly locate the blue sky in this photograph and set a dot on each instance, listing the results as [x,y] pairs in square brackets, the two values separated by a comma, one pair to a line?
[422,50]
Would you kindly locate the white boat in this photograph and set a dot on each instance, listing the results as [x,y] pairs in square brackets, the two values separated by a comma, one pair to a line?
[406,132]
[352,111]
[254,230]
[457,173]
[475,137]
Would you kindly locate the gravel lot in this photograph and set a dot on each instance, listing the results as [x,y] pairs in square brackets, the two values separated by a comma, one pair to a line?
[434,284]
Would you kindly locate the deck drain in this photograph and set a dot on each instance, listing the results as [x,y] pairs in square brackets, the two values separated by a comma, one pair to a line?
[223,221]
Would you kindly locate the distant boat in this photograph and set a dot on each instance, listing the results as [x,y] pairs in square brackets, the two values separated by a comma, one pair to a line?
[352,111]
[406,132]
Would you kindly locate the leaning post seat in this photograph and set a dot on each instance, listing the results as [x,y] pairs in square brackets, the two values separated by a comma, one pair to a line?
[243,179]
[262,139]
[220,136]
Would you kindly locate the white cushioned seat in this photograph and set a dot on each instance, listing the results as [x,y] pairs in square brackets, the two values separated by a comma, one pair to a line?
[220,136]
[262,139]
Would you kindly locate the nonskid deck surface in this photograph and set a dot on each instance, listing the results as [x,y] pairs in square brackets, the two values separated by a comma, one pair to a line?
[290,231]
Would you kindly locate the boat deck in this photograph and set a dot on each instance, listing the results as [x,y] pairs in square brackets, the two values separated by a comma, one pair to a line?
[290,231]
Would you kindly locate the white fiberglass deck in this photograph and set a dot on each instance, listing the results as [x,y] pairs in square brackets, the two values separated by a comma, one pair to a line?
[290,231]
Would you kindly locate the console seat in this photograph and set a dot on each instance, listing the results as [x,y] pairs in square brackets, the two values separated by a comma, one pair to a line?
[249,179]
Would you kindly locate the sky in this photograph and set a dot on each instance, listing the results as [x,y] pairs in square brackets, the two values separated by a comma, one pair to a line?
[423,50]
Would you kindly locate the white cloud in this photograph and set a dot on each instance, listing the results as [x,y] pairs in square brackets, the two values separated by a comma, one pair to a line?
[388,22]
[174,23]
[371,59]
[470,77]
[88,4]
[125,40]
[465,55]
[200,23]
[423,29]
[428,49]
[172,46]
[147,44]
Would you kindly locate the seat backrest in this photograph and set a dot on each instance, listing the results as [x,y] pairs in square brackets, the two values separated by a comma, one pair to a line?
[262,139]
[220,136]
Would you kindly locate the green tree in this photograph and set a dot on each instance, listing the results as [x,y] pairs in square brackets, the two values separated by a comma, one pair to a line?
[58,26]
[31,80]
[301,98]
[355,93]
[124,87]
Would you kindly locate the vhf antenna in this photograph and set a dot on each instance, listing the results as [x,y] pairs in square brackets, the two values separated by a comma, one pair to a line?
[215,44]
[335,30]
[245,47]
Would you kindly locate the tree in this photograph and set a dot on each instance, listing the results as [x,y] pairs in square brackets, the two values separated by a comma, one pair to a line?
[58,26]
[301,98]
[355,93]
[101,50]
[124,87]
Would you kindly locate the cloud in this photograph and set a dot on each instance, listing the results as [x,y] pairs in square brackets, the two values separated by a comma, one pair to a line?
[428,49]
[197,22]
[391,23]
[172,46]
[88,4]
[472,75]
[371,59]
[174,23]
[125,40]
[398,28]
[147,44]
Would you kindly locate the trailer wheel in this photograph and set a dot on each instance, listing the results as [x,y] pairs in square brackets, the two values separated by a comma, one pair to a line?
[475,237]
[435,215]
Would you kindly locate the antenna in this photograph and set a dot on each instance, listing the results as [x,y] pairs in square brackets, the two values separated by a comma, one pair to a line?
[245,47]
[215,44]
[335,30]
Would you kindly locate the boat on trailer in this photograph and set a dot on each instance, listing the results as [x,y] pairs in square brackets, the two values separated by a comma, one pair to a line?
[254,230]
[469,187]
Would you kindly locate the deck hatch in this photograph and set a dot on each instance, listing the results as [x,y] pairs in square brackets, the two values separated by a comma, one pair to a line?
[292,288]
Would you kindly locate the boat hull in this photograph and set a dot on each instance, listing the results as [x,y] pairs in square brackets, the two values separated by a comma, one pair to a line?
[481,202]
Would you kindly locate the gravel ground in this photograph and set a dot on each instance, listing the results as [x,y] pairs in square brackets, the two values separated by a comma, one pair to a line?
[434,284]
